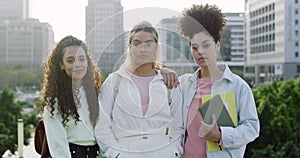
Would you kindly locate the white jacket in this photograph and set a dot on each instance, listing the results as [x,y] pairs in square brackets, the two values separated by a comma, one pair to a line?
[59,136]
[122,127]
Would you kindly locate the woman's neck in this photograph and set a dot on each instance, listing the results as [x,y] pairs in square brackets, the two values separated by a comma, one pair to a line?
[144,70]
[77,83]
[210,73]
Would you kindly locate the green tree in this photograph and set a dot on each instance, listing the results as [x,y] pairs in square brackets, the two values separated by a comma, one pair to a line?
[10,112]
[104,75]
[278,108]
[12,76]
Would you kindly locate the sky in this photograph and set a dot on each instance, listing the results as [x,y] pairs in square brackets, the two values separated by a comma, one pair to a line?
[67,17]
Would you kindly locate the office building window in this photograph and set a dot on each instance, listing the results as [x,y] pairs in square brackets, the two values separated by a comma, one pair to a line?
[296,1]
[296,11]
[298,68]
[296,22]
[296,33]
[296,43]
[270,7]
[296,54]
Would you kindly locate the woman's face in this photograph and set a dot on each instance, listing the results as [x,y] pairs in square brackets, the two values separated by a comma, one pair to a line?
[143,48]
[204,49]
[74,62]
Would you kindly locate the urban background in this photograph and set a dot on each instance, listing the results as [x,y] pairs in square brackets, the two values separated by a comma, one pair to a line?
[260,44]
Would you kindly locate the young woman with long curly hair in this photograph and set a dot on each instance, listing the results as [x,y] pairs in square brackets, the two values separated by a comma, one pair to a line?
[69,104]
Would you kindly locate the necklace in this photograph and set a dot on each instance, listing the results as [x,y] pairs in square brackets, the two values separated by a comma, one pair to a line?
[76,96]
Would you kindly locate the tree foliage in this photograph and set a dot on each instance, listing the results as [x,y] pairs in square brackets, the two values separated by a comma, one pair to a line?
[10,112]
[278,108]
[13,76]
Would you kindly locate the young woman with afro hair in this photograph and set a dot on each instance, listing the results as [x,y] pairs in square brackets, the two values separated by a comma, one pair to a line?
[202,25]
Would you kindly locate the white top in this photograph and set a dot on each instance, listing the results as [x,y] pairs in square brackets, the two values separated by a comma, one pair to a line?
[59,137]
[121,120]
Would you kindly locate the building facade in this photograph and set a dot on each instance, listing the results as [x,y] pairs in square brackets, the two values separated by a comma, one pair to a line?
[272,45]
[232,43]
[104,31]
[175,49]
[15,9]
[24,42]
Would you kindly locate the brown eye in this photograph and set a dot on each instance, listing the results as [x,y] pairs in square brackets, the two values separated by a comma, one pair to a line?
[206,46]
[194,48]
[150,45]
[135,44]
[70,61]
[82,59]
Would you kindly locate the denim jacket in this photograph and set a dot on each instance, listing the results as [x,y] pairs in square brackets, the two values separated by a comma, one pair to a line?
[234,140]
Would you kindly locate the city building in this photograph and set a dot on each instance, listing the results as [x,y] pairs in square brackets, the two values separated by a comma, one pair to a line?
[232,43]
[272,45]
[175,49]
[104,31]
[23,41]
[15,9]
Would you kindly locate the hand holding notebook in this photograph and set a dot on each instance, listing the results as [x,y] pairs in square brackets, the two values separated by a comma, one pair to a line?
[216,106]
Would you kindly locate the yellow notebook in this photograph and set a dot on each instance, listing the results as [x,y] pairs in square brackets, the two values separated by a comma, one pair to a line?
[230,104]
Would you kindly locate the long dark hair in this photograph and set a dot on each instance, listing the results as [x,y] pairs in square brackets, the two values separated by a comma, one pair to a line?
[57,85]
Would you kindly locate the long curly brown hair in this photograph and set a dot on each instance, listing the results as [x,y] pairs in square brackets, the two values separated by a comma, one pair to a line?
[199,18]
[57,85]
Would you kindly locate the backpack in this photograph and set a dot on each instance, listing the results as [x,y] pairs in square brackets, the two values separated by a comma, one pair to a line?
[40,140]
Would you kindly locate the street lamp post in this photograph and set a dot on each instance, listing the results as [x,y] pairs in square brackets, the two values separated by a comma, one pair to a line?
[20,137]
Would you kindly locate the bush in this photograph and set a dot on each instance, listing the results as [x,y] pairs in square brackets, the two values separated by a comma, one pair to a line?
[278,108]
